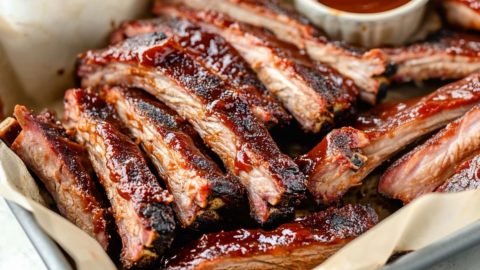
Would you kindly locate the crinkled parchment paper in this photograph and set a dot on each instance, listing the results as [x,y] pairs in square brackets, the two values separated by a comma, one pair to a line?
[39,40]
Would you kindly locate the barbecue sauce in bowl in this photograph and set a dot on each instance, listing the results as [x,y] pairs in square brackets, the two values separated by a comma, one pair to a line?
[364,6]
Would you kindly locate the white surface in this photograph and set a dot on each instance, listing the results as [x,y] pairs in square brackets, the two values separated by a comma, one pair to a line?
[16,251]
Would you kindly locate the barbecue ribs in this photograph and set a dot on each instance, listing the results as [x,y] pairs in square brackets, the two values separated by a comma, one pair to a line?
[312,94]
[464,13]
[302,244]
[466,177]
[365,68]
[199,187]
[216,54]
[427,166]
[444,55]
[63,167]
[346,156]
[158,65]
[140,206]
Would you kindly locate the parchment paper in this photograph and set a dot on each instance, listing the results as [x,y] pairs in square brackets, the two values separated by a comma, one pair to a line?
[38,43]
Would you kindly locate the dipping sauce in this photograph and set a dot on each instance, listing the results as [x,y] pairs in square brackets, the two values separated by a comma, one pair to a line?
[364,6]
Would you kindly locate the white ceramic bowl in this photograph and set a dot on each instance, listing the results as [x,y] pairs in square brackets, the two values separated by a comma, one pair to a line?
[392,27]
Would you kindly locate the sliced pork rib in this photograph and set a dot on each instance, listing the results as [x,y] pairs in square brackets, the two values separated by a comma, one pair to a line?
[288,25]
[444,55]
[464,13]
[346,156]
[216,54]
[197,184]
[466,177]
[426,167]
[63,167]
[140,206]
[302,244]
[157,64]
[312,94]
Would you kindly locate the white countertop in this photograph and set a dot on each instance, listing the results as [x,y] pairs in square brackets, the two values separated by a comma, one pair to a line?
[16,250]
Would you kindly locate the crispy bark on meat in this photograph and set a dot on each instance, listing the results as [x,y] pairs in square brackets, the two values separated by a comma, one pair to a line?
[346,156]
[302,244]
[466,177]
[156,64]
[444,55]
[427,166]
[215,53]
[63,167]
[463,13]
[311,93]
[199,188]
[364,67]
[140,206]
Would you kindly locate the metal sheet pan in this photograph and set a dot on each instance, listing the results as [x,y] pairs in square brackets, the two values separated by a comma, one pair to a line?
[435,254]
[50,253]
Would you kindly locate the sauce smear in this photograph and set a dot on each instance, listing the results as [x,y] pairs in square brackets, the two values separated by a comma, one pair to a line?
[364,6]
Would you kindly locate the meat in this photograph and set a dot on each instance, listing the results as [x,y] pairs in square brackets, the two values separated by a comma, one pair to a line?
[9,130]
[463,13]
[364,68]
[140,206]
[63,167]
[302,244]
[466,177]
[312,94]
[346,156]
[444,55]
[379,115]
[156,64]
[427,166]
[199,188]
[217,55]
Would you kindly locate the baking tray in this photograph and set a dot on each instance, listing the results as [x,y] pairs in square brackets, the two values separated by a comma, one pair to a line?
[437,253]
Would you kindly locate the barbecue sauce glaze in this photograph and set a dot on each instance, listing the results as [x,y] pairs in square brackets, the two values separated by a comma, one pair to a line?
[364,6]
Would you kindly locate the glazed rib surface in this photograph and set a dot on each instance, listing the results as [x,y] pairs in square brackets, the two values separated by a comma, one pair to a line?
[427,166]
[301,244]
[200,189]
[156,64]
[311,93]
[364,67]
[216,54]
[347,155]
[444,55]
[63,167]
[140,205]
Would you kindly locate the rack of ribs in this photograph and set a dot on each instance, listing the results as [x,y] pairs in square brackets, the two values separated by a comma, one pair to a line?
[198,186]
[140,205]
[427,166]
[444,55]
[311,93]
[216,54]
[466,177]
[365,68]
[347,155]
[157,64]
[463,13]
[63,167]
[301,244]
